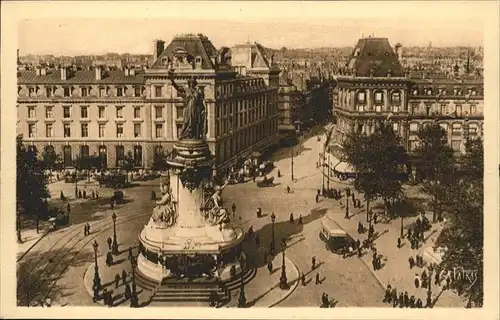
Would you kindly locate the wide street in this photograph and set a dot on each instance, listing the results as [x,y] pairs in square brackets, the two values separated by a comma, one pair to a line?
[55,266]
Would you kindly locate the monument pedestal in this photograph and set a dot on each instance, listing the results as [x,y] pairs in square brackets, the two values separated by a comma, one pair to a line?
[184,241]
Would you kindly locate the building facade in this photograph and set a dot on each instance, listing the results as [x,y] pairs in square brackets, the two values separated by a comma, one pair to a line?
[112,113]
[375,87]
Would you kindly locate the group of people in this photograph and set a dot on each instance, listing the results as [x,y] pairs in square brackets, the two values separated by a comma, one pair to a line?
[416,234]
[403,300]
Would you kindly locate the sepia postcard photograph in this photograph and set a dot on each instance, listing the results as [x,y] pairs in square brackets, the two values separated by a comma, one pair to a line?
[250,159]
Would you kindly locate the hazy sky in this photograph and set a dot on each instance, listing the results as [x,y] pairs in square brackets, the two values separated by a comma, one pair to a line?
[274,24]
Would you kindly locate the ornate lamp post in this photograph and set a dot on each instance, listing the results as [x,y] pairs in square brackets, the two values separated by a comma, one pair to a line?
[283,280]
[115,242]
[242,300]
[134,301]
[97,278]
[272,249]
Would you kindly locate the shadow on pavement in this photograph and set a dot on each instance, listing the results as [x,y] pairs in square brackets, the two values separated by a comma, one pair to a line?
[37,277]
[282,230]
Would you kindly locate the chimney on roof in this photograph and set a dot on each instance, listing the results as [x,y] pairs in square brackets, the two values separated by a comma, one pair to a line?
[127,71]
[38,70]
[98,73]
[43,70]
[132,71]
[399,51]
[159,47]
[64,73]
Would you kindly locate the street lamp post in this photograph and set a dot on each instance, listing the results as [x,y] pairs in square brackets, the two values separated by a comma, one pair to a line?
[283,280]
[272,249]
[115,242]
[134,301]
[97,278]
[328,177]
[242,300]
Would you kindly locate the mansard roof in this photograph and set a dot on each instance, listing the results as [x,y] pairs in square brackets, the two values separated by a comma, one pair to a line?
[374,56]
[194,45]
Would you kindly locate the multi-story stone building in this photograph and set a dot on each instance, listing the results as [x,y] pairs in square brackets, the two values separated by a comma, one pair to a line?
[374,87]
[111,113]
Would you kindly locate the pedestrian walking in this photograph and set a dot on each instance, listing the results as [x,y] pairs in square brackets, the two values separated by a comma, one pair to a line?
[375,218]
[84,194]
[399,242]
[313,263]
[409,234]
[117,280]
[88,228]
[270,267]
[287,189]
[279,173]
[394,297]
[110,242]
[412,301]
[97,195]
[401,299]
[412,242]
[124,277]
[128,292]
[317,198]
[85,230]
[317,278]
[419,303]
[416,280]
[406,299]
[303,278]
[112,204]
[109,259]
[411,261]
[387,295]
[437,280]
[300,219]
[374,264]
[291,218]
[80,194]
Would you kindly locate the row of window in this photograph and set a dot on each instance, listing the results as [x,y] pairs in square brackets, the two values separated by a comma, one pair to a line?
[84,112]
[456,128]
[87,91]
[379,97]
[444,91]
[84,130]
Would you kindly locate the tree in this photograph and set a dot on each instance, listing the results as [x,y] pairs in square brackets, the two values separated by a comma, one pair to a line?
[129,163]
[160,162]
[31,184]
[436,164]
[377,159]
[51,160]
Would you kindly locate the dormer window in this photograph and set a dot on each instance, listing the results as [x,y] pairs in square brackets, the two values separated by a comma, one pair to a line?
[31,92]
[119,92]
[85,92]
[379,97]
[67,92]
[48,92]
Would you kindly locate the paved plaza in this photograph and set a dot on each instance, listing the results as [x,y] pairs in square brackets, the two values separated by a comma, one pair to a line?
[59,264]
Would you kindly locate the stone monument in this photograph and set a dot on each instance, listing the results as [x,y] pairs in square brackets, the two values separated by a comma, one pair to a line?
[190,234]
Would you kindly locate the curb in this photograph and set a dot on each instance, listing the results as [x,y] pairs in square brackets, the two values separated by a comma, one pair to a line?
[382,285]
[292,288]
[34,244]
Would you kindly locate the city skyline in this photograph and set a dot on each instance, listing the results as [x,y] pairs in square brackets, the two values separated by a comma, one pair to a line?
[291,28]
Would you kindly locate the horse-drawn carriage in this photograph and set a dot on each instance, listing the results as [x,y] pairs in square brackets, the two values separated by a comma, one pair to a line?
[264,182]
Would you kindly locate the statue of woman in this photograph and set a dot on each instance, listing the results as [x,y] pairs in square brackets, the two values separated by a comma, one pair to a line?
[217,196]
[164,212]
[194,110]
